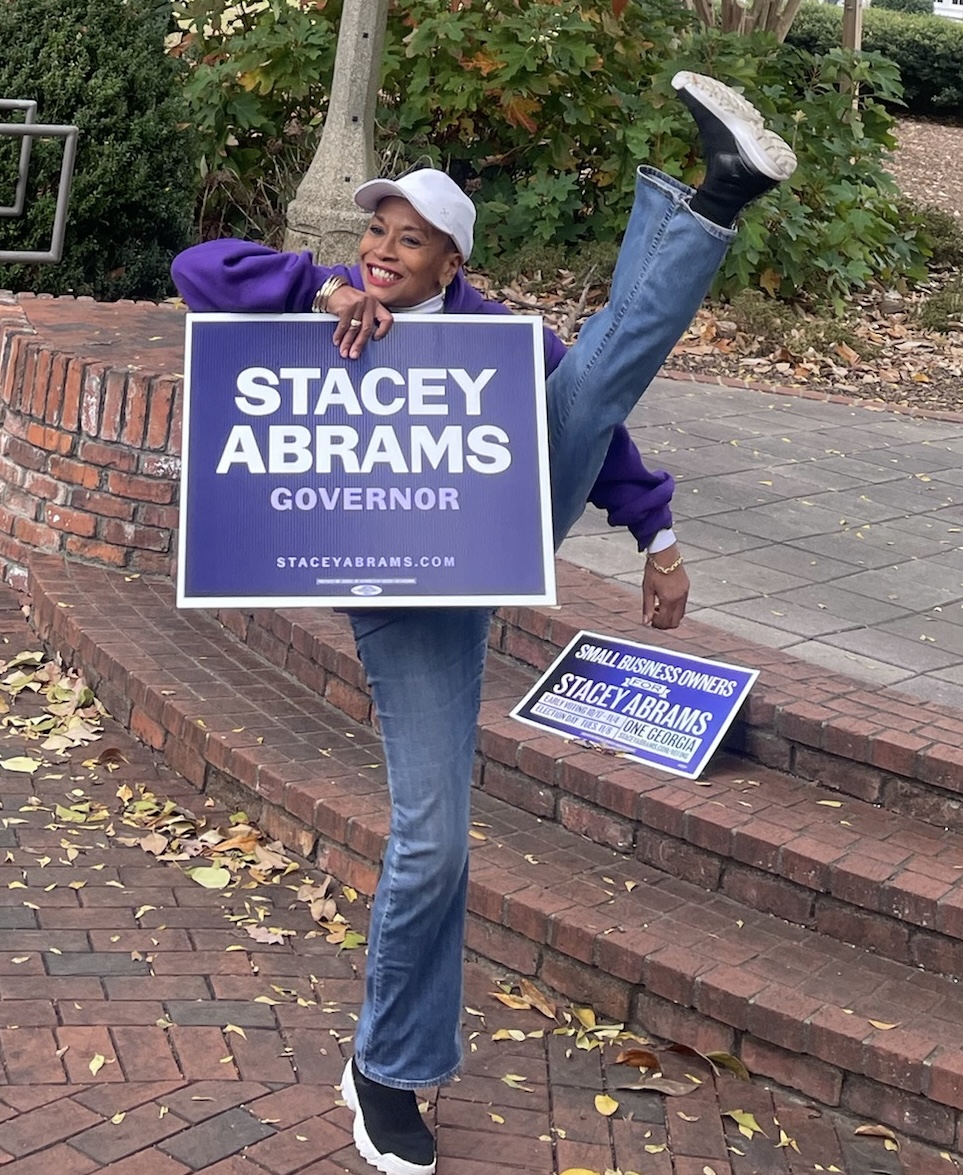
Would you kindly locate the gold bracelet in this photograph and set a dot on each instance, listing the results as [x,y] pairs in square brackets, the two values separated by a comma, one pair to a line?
[665,570]
[320,303]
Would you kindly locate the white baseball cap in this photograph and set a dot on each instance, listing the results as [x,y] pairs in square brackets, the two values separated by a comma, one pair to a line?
[434,195]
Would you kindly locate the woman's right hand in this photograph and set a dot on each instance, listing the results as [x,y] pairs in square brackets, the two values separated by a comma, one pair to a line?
[360,317]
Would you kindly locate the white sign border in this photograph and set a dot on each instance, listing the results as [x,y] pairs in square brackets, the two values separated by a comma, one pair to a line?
[494,600]
[621,752]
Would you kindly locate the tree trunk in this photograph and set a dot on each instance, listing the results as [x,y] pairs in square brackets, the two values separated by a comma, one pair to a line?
[771,16]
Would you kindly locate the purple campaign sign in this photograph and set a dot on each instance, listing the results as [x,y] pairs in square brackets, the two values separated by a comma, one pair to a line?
[415,475]
[664,709]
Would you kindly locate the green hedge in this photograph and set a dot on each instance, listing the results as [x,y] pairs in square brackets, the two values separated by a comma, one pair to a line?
[927,49]
[99,64]
[918,7]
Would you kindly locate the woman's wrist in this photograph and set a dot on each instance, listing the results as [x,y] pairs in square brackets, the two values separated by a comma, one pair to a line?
[666,561]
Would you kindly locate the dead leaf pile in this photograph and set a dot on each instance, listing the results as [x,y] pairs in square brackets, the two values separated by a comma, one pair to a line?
[889,356]
[238,854]
[72,716]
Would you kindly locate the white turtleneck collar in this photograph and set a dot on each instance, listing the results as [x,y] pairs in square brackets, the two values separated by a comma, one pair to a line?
[433,305]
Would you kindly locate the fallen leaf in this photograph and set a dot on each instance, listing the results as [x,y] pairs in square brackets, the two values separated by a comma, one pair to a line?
[786,1141]
[21,763]
[210,876]
[883,1026]
[538,1001]
[515,1034]
[605,1105]
[638,1059]
[265,934]
[728,1061]
[746,1122]
[154,843]
[97,1063]
[877,1131]
[657,1084]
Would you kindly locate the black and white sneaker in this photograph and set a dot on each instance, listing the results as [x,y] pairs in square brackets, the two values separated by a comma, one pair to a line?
[741,154]
[389,1131]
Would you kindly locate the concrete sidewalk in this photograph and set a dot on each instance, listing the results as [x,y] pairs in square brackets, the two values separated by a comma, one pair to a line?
[831,531]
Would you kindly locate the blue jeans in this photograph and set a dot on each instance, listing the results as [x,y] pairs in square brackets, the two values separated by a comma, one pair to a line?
[425,665]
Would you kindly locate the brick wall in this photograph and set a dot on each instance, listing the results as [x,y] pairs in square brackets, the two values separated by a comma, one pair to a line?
[89,448]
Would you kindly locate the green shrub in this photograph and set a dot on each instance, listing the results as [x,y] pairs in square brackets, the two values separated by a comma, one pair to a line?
[543,112]
[101,65]
[941,232]
[545,107]
[258,90]
[943,311]
[927,49]
[917,7]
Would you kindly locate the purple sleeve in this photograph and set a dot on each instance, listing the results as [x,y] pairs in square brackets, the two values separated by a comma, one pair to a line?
[631,495]
[240,277]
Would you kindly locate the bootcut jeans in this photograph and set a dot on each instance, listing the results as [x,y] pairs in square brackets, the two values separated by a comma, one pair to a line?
[425,665]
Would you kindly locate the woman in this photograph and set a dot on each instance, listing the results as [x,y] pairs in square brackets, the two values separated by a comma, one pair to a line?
[424,665]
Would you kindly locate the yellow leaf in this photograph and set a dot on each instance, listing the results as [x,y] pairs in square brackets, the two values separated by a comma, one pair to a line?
[874,1130]
[21,763]
[496,1118]
[884,1026]
[653,1148]
[605,1105]
[770,281]
[118,1118]
[578,1171]
[830,803]
[508,1034]
[785,1140]
[745,1121]
[234,1028]
[512,1001]
[97,1063]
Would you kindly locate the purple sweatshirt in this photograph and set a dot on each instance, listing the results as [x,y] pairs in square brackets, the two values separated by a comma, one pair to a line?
[240,277]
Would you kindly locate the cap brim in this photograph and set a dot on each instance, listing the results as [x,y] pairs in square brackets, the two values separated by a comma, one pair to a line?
[370,194]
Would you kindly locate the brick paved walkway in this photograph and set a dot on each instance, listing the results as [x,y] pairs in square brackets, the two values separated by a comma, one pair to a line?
[107,953]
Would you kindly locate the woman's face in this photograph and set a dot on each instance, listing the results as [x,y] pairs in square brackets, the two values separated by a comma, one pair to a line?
[404,259]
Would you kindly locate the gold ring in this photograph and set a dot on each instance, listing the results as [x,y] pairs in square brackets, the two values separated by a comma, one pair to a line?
[356,322]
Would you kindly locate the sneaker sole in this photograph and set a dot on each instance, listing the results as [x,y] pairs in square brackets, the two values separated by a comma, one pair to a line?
[761,148]
[388,1164]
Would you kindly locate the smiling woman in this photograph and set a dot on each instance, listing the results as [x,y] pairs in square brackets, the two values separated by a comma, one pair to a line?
[424,665]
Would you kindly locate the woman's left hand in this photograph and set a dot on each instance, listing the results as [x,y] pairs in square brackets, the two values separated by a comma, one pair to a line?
[360,317]
[664,595]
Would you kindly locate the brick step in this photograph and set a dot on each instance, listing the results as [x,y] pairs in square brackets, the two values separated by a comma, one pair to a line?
[590,922]
[876,879]
[883,880]
[877,746]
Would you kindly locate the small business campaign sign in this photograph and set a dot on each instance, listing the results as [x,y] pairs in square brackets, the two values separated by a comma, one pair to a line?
[661,708]
[415,475]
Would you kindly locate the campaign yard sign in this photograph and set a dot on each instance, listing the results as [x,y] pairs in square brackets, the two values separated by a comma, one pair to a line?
[415,475]
[661,708]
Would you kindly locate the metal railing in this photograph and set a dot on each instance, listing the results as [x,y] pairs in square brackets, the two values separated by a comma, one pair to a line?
[27,131]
